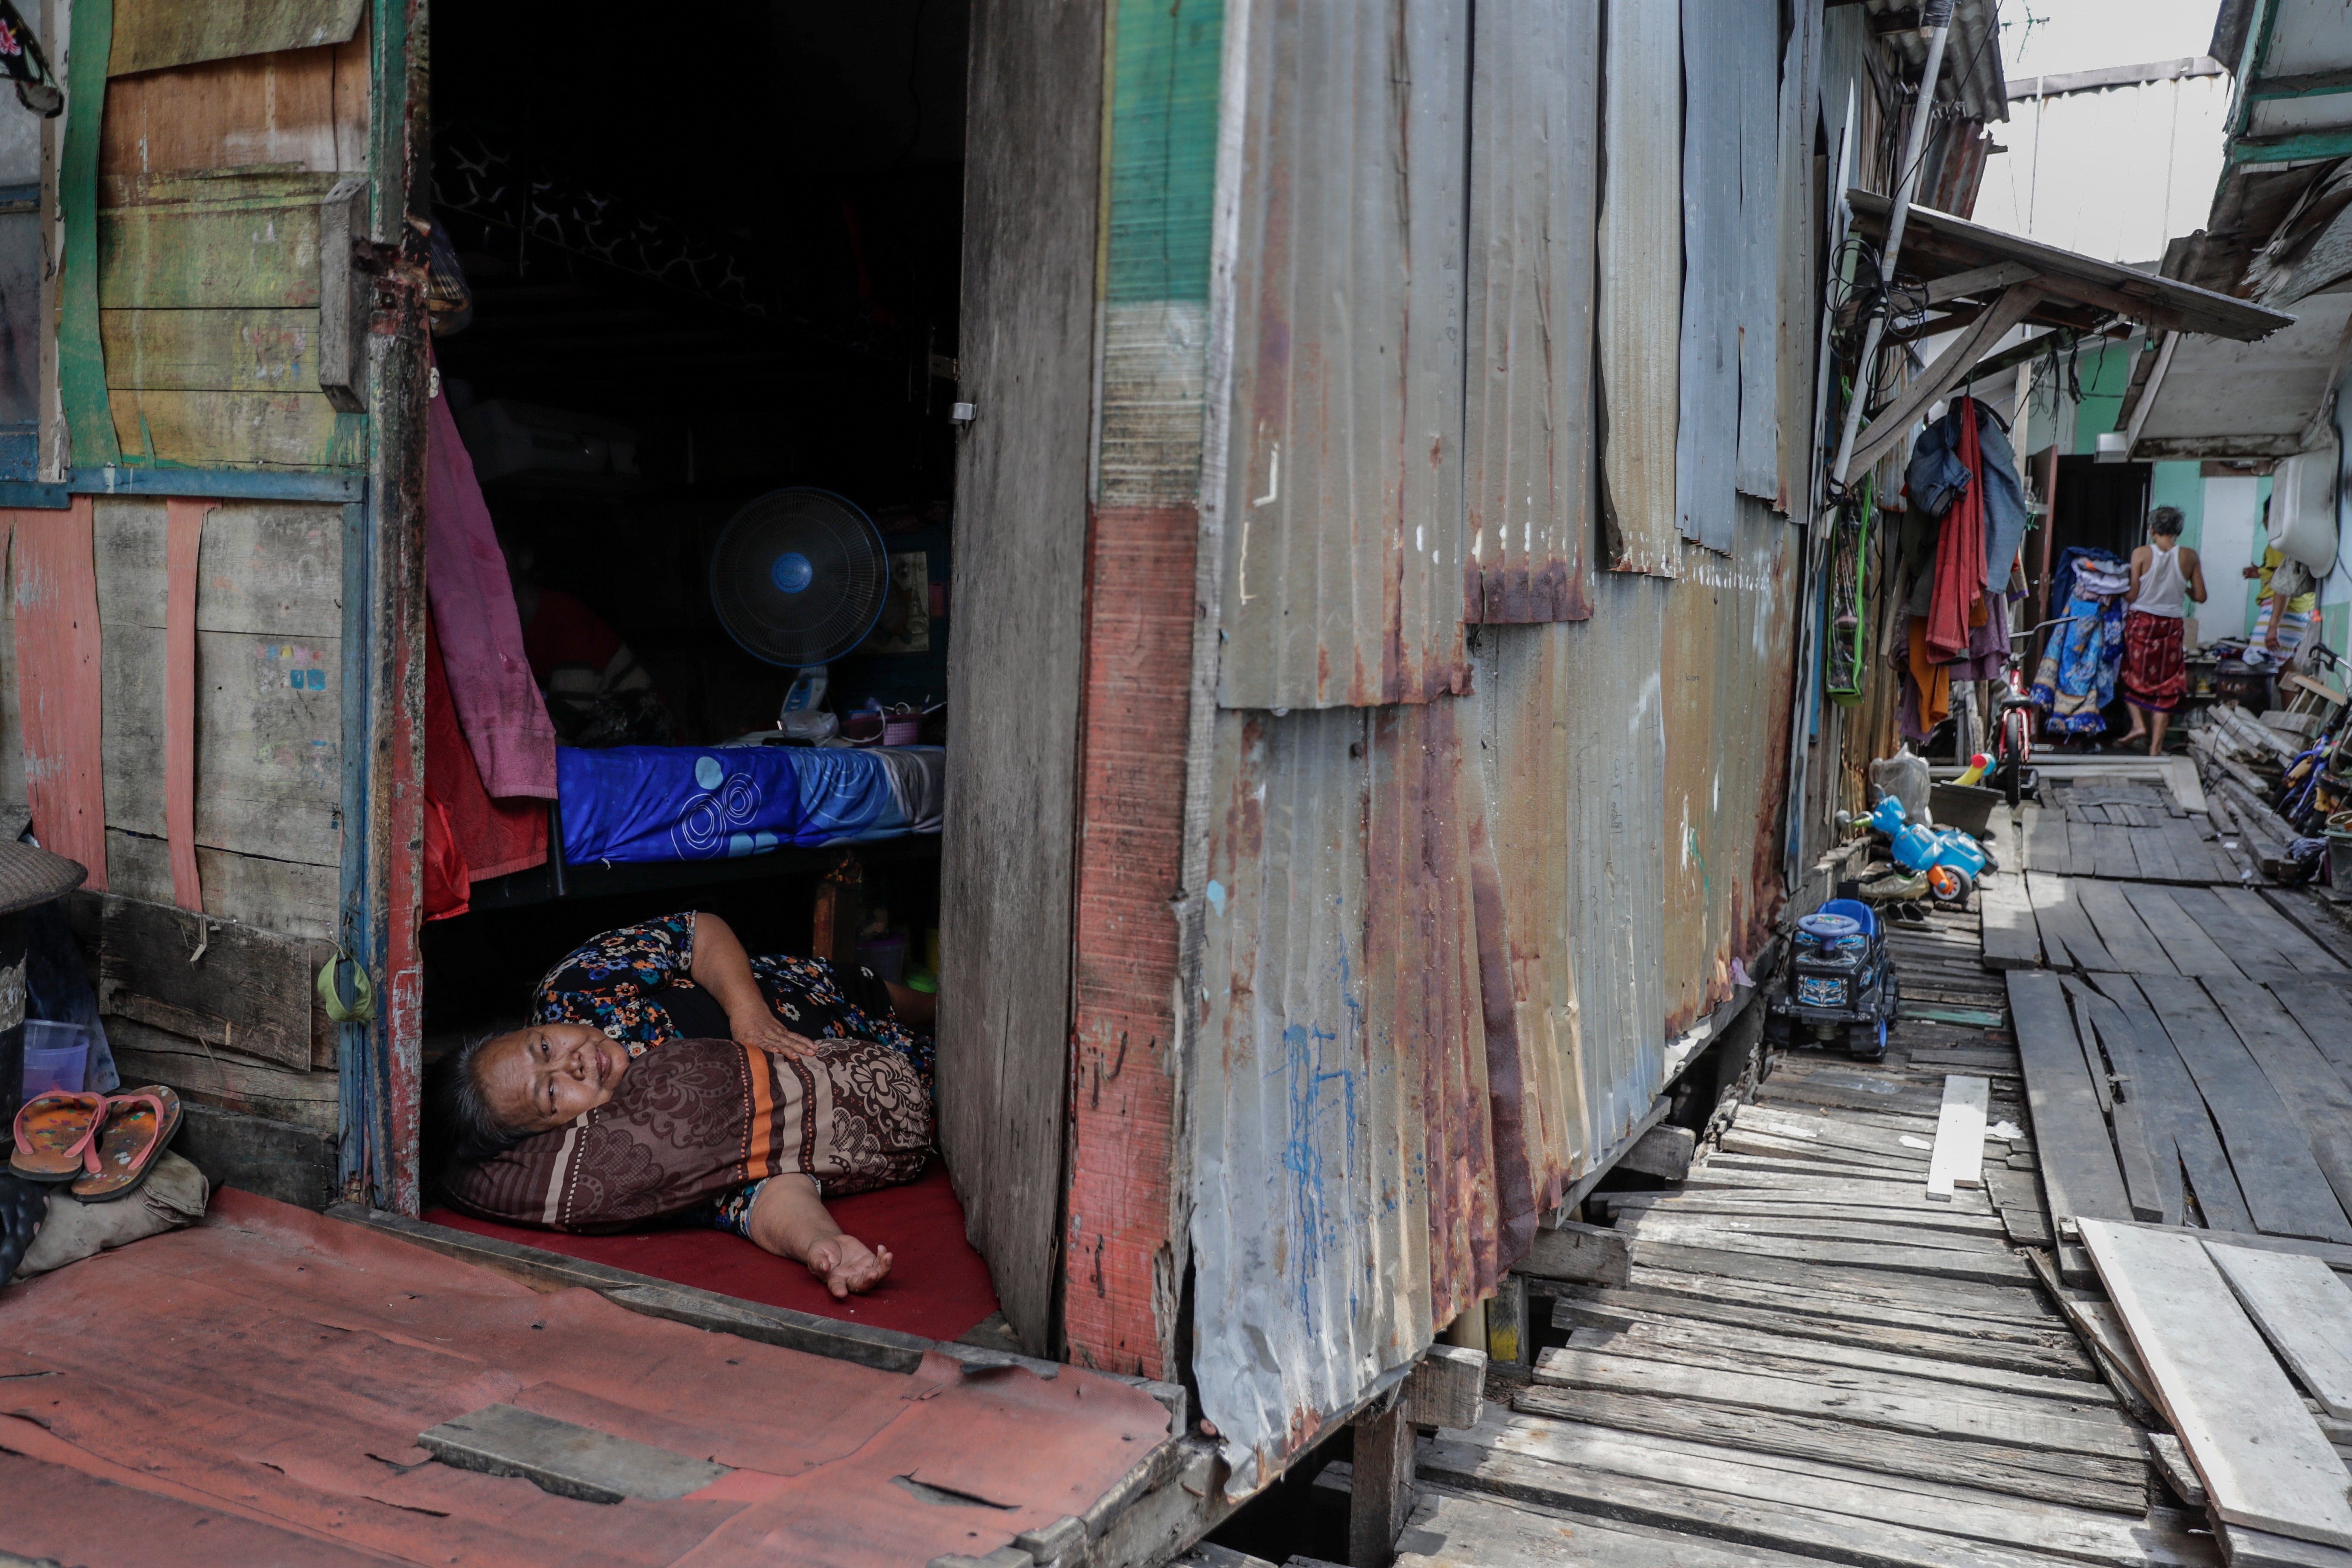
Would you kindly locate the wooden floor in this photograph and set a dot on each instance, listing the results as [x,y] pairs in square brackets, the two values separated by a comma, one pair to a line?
[1811,1361]
[2189,1048]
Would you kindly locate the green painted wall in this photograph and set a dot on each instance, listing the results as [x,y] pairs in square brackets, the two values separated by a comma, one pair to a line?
[2181,485]
[2104,377]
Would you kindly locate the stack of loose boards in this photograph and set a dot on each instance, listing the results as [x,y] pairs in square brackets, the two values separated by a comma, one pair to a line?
[2217,1326]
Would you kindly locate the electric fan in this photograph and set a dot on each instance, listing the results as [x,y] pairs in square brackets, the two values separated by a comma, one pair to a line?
[799,577]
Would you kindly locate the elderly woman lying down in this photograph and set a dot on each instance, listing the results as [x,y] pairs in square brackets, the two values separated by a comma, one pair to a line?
[668,1075]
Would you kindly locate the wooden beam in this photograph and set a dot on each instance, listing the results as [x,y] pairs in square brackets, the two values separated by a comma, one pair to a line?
[1977,280]
[183,528]
[1381,1496]
[2011,306]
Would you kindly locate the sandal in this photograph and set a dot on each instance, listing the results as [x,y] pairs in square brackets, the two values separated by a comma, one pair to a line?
[138,1125]
[23,1206]
[57,1133]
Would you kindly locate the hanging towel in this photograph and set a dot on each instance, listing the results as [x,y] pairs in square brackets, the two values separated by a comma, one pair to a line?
[1959,553]
[467,836]
[498,703]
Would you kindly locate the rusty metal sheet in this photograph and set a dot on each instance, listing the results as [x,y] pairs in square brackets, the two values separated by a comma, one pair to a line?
[1573,755]
[1706,435]
[1730,635]
[1527,447]
[1425,1004]
[1343,567]
[1755,54]
[1310,1220]
[1639,319]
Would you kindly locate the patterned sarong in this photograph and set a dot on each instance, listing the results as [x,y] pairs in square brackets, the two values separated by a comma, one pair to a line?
[2156,670]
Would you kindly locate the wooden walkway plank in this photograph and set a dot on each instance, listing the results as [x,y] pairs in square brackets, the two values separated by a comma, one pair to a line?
[1926,1221]
[2305,917]
[1708,1349]
[2044,1350]
[1927,1503]
[2196,859]
[1717,1518]
[2068,941]
[2304,1309]
[1845,1491]
[2285,1190]
[2313,1092]
[1950,1285]
[2079,1170]
[1993,1265]
[2186,944]
[2264,1461]
[1957,1159]
[2009,939]
[2011,1424]
[1807,1153]
[1919,1357]
[2319,1005]
[2128,940]
[2153,845]
[1701,1229]
[2112,843]
[2074,1479]
[2171,1108]
[1861,1294]
[2045,833]
[1451,1528]
[2252,914]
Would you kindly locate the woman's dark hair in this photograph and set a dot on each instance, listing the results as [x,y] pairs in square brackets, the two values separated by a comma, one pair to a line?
[472,1130]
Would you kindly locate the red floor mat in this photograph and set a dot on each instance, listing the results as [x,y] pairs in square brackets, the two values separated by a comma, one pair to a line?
[938,1287]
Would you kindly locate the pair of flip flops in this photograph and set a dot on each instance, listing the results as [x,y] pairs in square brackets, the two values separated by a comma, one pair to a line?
[103,1144]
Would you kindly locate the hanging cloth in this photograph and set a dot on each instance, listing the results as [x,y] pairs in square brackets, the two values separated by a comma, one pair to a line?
[498,702]
[467,836]
[1959,550]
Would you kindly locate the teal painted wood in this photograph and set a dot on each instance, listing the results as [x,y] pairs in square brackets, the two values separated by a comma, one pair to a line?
[1165,68]
[218,484]
[81,353]
[2335,141]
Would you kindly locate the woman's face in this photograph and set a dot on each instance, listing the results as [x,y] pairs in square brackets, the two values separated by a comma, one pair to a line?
[541,1076]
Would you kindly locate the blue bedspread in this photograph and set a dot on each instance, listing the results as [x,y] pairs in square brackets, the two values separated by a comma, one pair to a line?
[709,803]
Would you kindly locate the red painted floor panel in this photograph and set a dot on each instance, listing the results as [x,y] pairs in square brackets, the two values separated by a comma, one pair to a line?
[938,1287]
[270,1368]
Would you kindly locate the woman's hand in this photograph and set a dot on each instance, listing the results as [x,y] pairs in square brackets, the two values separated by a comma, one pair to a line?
[846,1264]
[763,1031]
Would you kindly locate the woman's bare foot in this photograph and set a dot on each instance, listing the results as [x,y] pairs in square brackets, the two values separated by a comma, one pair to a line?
[847,1265]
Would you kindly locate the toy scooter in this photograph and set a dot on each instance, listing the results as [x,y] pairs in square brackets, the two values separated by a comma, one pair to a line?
[1952,860]
[1837,981]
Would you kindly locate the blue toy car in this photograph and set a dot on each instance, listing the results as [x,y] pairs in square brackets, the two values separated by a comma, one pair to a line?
[1837,982]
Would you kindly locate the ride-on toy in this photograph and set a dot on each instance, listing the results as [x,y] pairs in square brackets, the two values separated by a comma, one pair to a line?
[1837,981]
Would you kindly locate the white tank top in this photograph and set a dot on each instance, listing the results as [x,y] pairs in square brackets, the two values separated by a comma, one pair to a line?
[2163,588]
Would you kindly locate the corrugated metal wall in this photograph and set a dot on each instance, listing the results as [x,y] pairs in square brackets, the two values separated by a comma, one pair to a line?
[1535,128]
[1344,556]
[1461,890]
[1640,318]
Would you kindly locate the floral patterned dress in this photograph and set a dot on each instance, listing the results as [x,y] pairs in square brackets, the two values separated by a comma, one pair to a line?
[634,984]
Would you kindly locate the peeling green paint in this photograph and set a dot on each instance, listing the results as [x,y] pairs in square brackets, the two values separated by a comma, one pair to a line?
[1166,67]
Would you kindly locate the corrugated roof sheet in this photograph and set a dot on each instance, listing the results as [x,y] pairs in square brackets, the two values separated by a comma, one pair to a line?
[1344,551]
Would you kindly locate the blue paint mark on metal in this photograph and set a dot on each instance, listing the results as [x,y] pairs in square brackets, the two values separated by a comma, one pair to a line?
[1216,892]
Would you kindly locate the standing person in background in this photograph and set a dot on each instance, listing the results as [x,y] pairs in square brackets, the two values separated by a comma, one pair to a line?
[2289,600]
[2166,576]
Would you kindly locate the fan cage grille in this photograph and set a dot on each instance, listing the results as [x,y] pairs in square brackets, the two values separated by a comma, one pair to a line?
[849,585]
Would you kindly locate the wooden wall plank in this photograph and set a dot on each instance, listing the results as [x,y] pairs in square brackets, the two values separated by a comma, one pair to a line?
[1006,876]
[155,35]
[276,567]
[218,982]
[14,813]
[59,675]
[218,256]
[228,1080]
[211,351]
[283,896]
[269,752]
[238,429]
[184,533]
[295,107]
